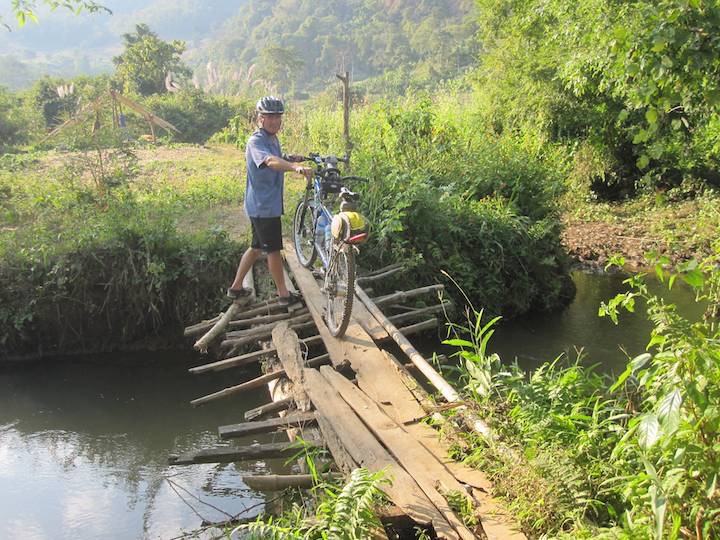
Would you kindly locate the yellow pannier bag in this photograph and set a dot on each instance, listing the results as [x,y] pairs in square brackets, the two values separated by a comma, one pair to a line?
[350,227]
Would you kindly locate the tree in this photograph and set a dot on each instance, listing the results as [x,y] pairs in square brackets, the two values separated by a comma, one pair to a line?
[146,61]
[13,124]
[26,9]
[279,65]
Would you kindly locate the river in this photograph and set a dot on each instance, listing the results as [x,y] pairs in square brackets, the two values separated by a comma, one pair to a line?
[84,442]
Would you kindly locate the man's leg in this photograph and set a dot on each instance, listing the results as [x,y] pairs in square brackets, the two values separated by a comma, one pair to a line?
[246,262]
[275,264]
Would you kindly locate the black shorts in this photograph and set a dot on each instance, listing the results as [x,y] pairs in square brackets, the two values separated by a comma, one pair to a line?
[266,234]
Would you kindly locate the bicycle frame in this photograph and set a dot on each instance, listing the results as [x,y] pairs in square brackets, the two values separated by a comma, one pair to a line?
[320,209]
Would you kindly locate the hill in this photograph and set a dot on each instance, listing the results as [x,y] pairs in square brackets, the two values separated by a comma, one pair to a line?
[300,44]
[295,45]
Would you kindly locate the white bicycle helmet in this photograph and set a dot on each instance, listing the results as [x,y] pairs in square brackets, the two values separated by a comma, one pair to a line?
[270,105]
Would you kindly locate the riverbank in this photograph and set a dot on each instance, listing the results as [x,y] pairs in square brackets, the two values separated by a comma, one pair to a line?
[678,229]
[102,251]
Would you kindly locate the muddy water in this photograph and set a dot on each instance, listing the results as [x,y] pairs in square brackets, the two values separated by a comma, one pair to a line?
[84,447]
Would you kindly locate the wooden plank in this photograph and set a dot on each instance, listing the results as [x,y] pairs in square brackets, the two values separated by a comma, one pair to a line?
[413,456]
[343,459]
[288,351]
[368,453]
[369,323]
[245,359]
[315,301]
[298,419]
[231,454]
[268,408]
[496,520]
[357,348]
[433,376]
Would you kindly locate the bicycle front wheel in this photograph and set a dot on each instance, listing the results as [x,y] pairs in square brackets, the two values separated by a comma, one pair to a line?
[340,289]
[304,234]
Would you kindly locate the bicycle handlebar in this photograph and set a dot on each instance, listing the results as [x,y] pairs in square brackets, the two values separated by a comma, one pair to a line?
[319,160]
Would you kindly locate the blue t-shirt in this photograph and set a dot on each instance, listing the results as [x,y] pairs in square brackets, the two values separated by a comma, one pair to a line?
[264,190]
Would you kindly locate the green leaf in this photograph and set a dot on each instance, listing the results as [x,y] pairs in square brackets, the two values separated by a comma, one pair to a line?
[669,411]
[621,379]
[712,484]
[458,343]
[651,115]
[694,278]
[637,363]
[659,505]
[642,162]
[659,43]
[648,431]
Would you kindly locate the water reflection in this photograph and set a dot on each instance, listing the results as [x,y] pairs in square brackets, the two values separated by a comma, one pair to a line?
[539,338]
[84,447]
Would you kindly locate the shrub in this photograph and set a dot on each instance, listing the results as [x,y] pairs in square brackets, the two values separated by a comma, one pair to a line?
[448,194]
[197,115]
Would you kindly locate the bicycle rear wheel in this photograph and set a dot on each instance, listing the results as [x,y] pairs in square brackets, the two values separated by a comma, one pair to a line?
[304,234]
[340,289]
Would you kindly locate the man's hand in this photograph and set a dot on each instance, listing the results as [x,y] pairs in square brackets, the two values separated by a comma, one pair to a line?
[307,172]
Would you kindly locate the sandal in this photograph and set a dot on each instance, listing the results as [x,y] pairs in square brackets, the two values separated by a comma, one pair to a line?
[292,298]
[236,294]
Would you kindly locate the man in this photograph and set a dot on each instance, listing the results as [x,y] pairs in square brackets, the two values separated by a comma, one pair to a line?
[266,168]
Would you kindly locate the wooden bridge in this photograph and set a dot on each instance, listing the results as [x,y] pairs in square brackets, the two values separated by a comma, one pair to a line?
[354,399]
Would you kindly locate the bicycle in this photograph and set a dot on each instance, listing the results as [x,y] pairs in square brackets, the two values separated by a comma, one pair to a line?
[335,239]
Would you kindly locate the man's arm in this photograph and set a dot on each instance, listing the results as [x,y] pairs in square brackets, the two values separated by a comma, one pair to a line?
[279,164]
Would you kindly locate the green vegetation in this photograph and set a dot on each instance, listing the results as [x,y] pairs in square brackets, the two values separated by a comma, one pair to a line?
[345,512]
[632,86]
[25,10]
[147,60]
[95,250]
[445,193]
[299,45]
[580,455]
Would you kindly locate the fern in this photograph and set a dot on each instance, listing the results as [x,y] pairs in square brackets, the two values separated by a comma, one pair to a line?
[344,515]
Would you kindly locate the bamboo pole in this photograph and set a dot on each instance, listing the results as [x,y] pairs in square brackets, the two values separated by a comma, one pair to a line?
[202,343]
[267,327]
[433,376]
[268,408]
[278,482]
[401,296]
[437,380]
[255,383]
[230,344]
[375,277]
[383,269]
